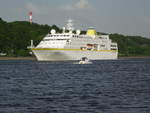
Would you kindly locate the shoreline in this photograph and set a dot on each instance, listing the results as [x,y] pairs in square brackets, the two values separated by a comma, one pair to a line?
[17,58]
[133,57]
[33,58]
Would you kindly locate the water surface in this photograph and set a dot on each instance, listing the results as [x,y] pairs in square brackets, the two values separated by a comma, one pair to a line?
[113,86]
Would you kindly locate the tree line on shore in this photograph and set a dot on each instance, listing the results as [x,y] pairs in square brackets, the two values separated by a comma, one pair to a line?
[16,36]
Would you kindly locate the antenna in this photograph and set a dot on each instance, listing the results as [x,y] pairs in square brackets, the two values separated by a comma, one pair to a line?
[30,17]
[64,29]
[70,25]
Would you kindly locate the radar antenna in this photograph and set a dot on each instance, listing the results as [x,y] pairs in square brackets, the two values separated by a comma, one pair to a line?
[70,25]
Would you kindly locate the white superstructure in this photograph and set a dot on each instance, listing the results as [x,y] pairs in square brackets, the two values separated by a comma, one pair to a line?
[73,46]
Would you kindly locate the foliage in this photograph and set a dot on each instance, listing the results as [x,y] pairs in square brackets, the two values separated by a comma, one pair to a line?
[16,36]
[132,45]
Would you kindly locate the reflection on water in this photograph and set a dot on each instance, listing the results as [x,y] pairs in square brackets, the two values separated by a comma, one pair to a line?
[117,86]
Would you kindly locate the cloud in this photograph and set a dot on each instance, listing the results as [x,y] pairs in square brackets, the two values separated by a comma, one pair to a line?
[39,10]
[80,4]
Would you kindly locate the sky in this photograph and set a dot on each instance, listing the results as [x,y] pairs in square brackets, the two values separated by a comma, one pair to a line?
[128,17]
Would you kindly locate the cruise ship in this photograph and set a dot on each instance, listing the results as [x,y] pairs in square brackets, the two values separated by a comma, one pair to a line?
[72,45]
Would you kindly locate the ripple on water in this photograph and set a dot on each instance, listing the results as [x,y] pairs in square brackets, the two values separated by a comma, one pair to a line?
[114,86]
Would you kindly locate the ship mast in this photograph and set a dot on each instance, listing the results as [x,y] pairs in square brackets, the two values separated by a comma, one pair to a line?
[70,26]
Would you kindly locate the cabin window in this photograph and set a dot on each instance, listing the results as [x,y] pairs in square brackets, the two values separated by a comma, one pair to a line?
[46,39]
[83,48]
[113,49]
[113,46]
[102,45]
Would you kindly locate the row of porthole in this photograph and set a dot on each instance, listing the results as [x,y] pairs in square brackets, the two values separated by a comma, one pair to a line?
[58,35]
[53,43]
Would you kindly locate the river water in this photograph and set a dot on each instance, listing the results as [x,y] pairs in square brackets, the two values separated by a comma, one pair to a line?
[113,86]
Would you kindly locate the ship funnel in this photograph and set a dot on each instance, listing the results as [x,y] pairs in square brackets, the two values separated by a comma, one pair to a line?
[91,32]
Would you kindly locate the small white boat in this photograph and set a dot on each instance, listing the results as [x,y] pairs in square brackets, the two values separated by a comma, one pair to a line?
[85,60]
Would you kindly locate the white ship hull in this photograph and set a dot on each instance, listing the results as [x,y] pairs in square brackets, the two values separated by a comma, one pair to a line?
[62,55]
[74,46]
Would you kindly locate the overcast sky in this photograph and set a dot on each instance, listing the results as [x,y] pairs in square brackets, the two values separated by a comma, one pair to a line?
[129,17]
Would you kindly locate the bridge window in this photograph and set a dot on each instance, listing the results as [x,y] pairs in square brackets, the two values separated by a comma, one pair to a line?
[102,45]
[113,45]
